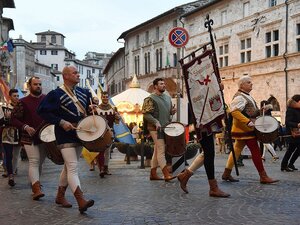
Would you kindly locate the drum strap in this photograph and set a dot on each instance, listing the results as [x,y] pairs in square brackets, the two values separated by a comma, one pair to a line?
[73,97]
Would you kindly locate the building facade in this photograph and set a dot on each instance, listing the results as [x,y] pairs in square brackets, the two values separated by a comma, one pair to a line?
[50,49]
[114,73]
[25,66]
[89,74]
[6,24]
[259,38]
[148,53]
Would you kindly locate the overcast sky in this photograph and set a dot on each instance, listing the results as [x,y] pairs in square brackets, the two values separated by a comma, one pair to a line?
[88,25]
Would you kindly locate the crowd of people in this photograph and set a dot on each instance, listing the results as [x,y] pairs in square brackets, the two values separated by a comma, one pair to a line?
[22,120]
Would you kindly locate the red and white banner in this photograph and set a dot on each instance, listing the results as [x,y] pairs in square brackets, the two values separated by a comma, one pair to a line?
[204,92]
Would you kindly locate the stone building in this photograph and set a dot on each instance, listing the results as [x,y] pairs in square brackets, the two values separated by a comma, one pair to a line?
[25,66]
[148,53]
[50,50]
[88,73]
[260,38]
[115,73]
[6,24]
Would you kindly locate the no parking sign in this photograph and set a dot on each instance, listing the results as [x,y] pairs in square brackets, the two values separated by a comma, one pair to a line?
[178,37]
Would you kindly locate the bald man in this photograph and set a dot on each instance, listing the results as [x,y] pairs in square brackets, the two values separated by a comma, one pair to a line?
[65,107]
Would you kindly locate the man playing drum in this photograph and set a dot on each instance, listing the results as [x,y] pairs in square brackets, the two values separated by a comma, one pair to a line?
[65,107]
[157,110]
[25,118]
[244,111]
[110,113]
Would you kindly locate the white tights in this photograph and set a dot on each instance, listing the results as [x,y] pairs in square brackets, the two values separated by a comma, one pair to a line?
[197,162]
[36,156]
[69,174]
[270,148]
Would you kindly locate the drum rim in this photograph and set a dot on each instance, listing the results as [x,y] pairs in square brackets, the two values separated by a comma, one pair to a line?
[268,116]
[104,131]
[173,123]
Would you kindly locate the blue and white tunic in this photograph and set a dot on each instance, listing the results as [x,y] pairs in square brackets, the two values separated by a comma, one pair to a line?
[57,106]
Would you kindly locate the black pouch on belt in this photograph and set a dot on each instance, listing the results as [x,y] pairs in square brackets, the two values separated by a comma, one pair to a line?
[160,134]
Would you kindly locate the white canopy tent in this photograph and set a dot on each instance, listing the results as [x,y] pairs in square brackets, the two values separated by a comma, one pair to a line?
[129,103]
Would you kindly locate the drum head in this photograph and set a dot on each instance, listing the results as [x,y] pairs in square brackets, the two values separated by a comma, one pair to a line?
[88,124]
[174,129]
[266,124]
[47,134]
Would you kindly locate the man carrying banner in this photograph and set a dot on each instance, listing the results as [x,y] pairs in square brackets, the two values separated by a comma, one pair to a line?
[244,111]
[157,110]
[110,113]
[207,107]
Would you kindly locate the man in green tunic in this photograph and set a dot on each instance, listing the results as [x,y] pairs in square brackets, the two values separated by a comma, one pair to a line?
[157,110]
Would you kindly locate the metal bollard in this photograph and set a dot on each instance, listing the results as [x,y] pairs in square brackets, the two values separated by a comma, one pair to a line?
[127,154]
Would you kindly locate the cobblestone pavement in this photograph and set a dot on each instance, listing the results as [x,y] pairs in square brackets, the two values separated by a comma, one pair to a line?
[128,197]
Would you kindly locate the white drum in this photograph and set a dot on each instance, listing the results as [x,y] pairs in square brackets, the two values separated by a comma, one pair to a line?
[94,133]
[266,129]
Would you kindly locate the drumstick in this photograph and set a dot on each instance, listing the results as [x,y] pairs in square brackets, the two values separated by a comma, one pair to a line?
[83,129]
[262,124]
[94,119]
[168,127]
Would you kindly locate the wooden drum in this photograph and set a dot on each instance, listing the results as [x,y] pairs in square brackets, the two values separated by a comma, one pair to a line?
[94,133]
[175,139]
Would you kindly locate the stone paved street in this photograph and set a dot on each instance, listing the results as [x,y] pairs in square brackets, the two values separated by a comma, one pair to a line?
[128,197]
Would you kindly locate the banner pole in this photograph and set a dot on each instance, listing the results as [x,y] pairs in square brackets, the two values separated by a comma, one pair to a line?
[178,86]
[208,23]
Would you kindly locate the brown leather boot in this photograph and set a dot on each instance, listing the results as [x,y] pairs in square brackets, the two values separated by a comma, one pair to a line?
[83,205]
[167,175]
[183,178]
[36,189]
[227,176]
[60,197]
[153,175]
[215,191]
[264,179]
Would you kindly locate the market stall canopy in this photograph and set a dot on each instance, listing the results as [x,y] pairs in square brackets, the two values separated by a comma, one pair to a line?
[129,100]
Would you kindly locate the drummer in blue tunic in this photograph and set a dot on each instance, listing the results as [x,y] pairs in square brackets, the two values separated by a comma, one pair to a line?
[65,107]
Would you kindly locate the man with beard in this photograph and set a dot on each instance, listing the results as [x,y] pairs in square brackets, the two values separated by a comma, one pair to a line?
[25,118]
[157,110]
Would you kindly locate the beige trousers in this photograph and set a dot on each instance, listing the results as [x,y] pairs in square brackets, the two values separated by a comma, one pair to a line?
[158,157]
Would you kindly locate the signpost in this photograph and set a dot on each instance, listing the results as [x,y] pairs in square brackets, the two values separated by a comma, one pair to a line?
[178,37]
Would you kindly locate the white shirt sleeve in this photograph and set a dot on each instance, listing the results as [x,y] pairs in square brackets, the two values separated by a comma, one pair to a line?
[238,103]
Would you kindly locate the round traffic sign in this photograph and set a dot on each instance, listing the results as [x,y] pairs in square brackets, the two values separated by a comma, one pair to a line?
[178,37]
